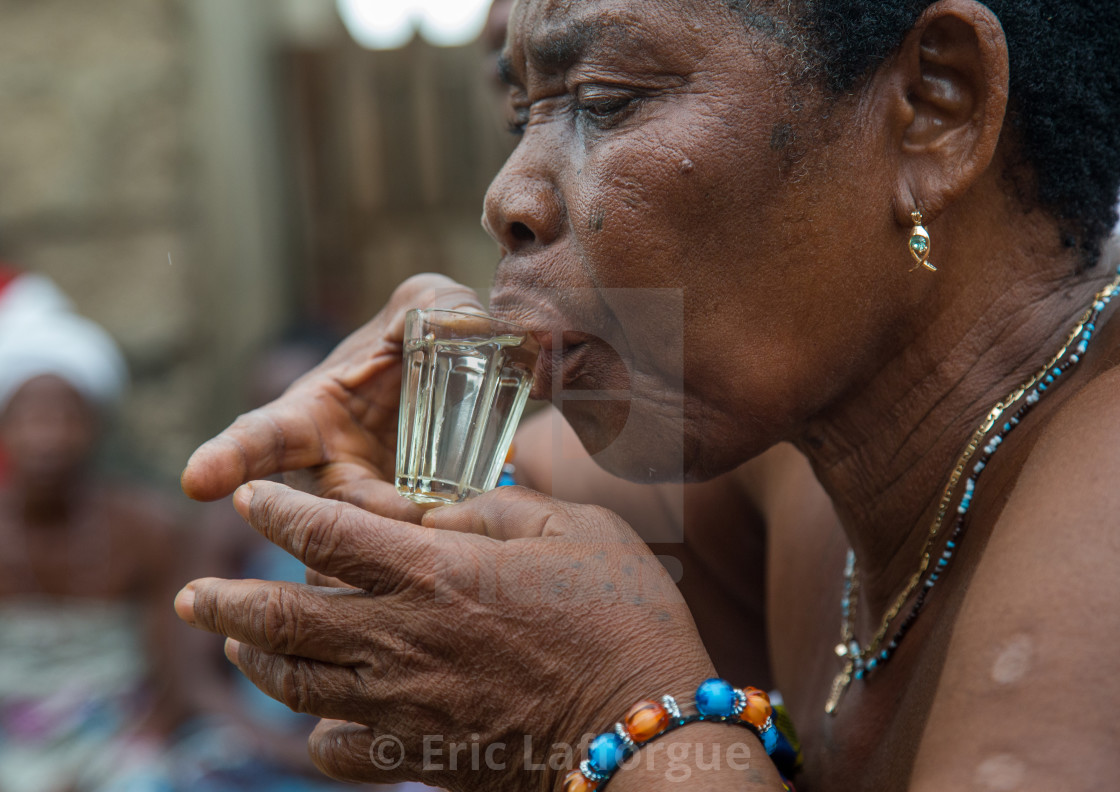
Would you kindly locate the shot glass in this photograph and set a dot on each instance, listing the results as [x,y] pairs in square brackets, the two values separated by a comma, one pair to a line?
[465,382]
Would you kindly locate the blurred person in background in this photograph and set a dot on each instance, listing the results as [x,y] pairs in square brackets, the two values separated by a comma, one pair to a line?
[88,693]
[101,690]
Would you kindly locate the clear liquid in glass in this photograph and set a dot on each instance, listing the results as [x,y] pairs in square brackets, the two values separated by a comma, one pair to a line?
[461,400]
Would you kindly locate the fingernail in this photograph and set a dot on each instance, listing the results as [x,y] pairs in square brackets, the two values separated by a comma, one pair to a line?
[232,649]
[242,499]
[184,605]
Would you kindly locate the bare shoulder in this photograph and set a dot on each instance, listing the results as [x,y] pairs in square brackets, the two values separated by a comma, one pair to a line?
[1029,690]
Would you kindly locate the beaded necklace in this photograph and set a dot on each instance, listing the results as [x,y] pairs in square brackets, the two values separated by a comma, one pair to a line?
[859,661]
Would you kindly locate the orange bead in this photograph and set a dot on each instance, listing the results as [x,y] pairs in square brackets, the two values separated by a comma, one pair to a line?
[576,781]
[758,708]
[646,720]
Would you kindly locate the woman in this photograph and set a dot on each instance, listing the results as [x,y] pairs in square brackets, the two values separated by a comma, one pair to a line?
[871,231]
[88,697]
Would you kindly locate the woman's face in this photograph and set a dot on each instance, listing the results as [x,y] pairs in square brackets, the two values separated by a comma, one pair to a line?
[49,431]
[678,207]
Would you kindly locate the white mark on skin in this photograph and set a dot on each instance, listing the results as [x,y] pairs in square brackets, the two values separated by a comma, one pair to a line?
[686,166]
[1001,773]
[1014,660]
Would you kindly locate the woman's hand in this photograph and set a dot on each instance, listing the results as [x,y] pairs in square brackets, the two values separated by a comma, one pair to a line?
[510,618]
[339,421]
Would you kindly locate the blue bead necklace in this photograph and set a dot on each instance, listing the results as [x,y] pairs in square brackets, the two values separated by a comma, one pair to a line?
[860,661]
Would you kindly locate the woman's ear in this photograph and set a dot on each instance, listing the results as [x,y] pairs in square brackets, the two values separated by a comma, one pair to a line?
[945,95]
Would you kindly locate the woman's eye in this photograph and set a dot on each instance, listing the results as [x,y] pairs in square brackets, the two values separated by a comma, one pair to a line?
[604,108]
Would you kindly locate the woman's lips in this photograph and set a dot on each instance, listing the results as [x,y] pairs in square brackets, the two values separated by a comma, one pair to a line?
[563,350]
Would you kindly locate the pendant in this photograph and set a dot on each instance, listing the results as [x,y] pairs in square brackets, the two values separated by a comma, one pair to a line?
[919,243]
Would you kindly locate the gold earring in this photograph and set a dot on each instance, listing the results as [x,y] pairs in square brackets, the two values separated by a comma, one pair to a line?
[919,243]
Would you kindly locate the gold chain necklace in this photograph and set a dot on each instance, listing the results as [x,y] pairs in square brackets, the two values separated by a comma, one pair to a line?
[856,658]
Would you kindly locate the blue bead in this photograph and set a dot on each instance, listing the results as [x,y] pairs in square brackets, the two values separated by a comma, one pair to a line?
[1041,387]
[951,545]
[715,697]
[1007,427]
[859,674]
[1057,372]
[1049,379]
[771,736]
[874,662]
[606,753]
[883,654]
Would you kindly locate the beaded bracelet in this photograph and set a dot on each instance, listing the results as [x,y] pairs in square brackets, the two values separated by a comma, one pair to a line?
[716,701]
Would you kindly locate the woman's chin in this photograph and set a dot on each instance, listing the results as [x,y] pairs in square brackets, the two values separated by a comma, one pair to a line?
[627,441]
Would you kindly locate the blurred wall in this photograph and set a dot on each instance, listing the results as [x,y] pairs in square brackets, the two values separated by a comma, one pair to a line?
[199,174]
[395,150]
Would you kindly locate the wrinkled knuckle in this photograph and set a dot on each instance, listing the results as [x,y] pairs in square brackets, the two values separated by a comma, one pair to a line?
[206,611]
[422,287]
[319,542]
[596,518]
[274,613]
[297,687]
[265,510]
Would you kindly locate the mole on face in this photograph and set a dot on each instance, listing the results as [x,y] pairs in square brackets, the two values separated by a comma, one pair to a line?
[1000,773]
[1013,661]
[686,166]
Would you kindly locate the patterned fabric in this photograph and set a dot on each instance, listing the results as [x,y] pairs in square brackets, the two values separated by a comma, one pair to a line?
[71,685]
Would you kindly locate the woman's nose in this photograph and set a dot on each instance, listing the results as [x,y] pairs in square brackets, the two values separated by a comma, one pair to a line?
[522,211]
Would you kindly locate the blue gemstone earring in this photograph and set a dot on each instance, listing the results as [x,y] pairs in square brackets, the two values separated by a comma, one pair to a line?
[919,243]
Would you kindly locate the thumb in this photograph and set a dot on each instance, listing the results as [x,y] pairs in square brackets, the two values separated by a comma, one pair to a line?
[505,513]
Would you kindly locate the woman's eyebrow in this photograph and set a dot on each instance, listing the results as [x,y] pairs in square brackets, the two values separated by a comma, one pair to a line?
[557,50]
[505,71]
[551,52]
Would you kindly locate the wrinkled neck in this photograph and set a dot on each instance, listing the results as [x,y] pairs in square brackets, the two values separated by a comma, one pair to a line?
[886,451]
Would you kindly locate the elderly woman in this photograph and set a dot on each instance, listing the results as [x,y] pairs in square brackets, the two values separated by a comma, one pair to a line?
[871,230]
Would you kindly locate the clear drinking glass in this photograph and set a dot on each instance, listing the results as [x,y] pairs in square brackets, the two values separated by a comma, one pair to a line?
[465,382]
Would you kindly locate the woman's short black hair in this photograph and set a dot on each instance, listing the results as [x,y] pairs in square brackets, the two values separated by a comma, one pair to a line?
[1064,104]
